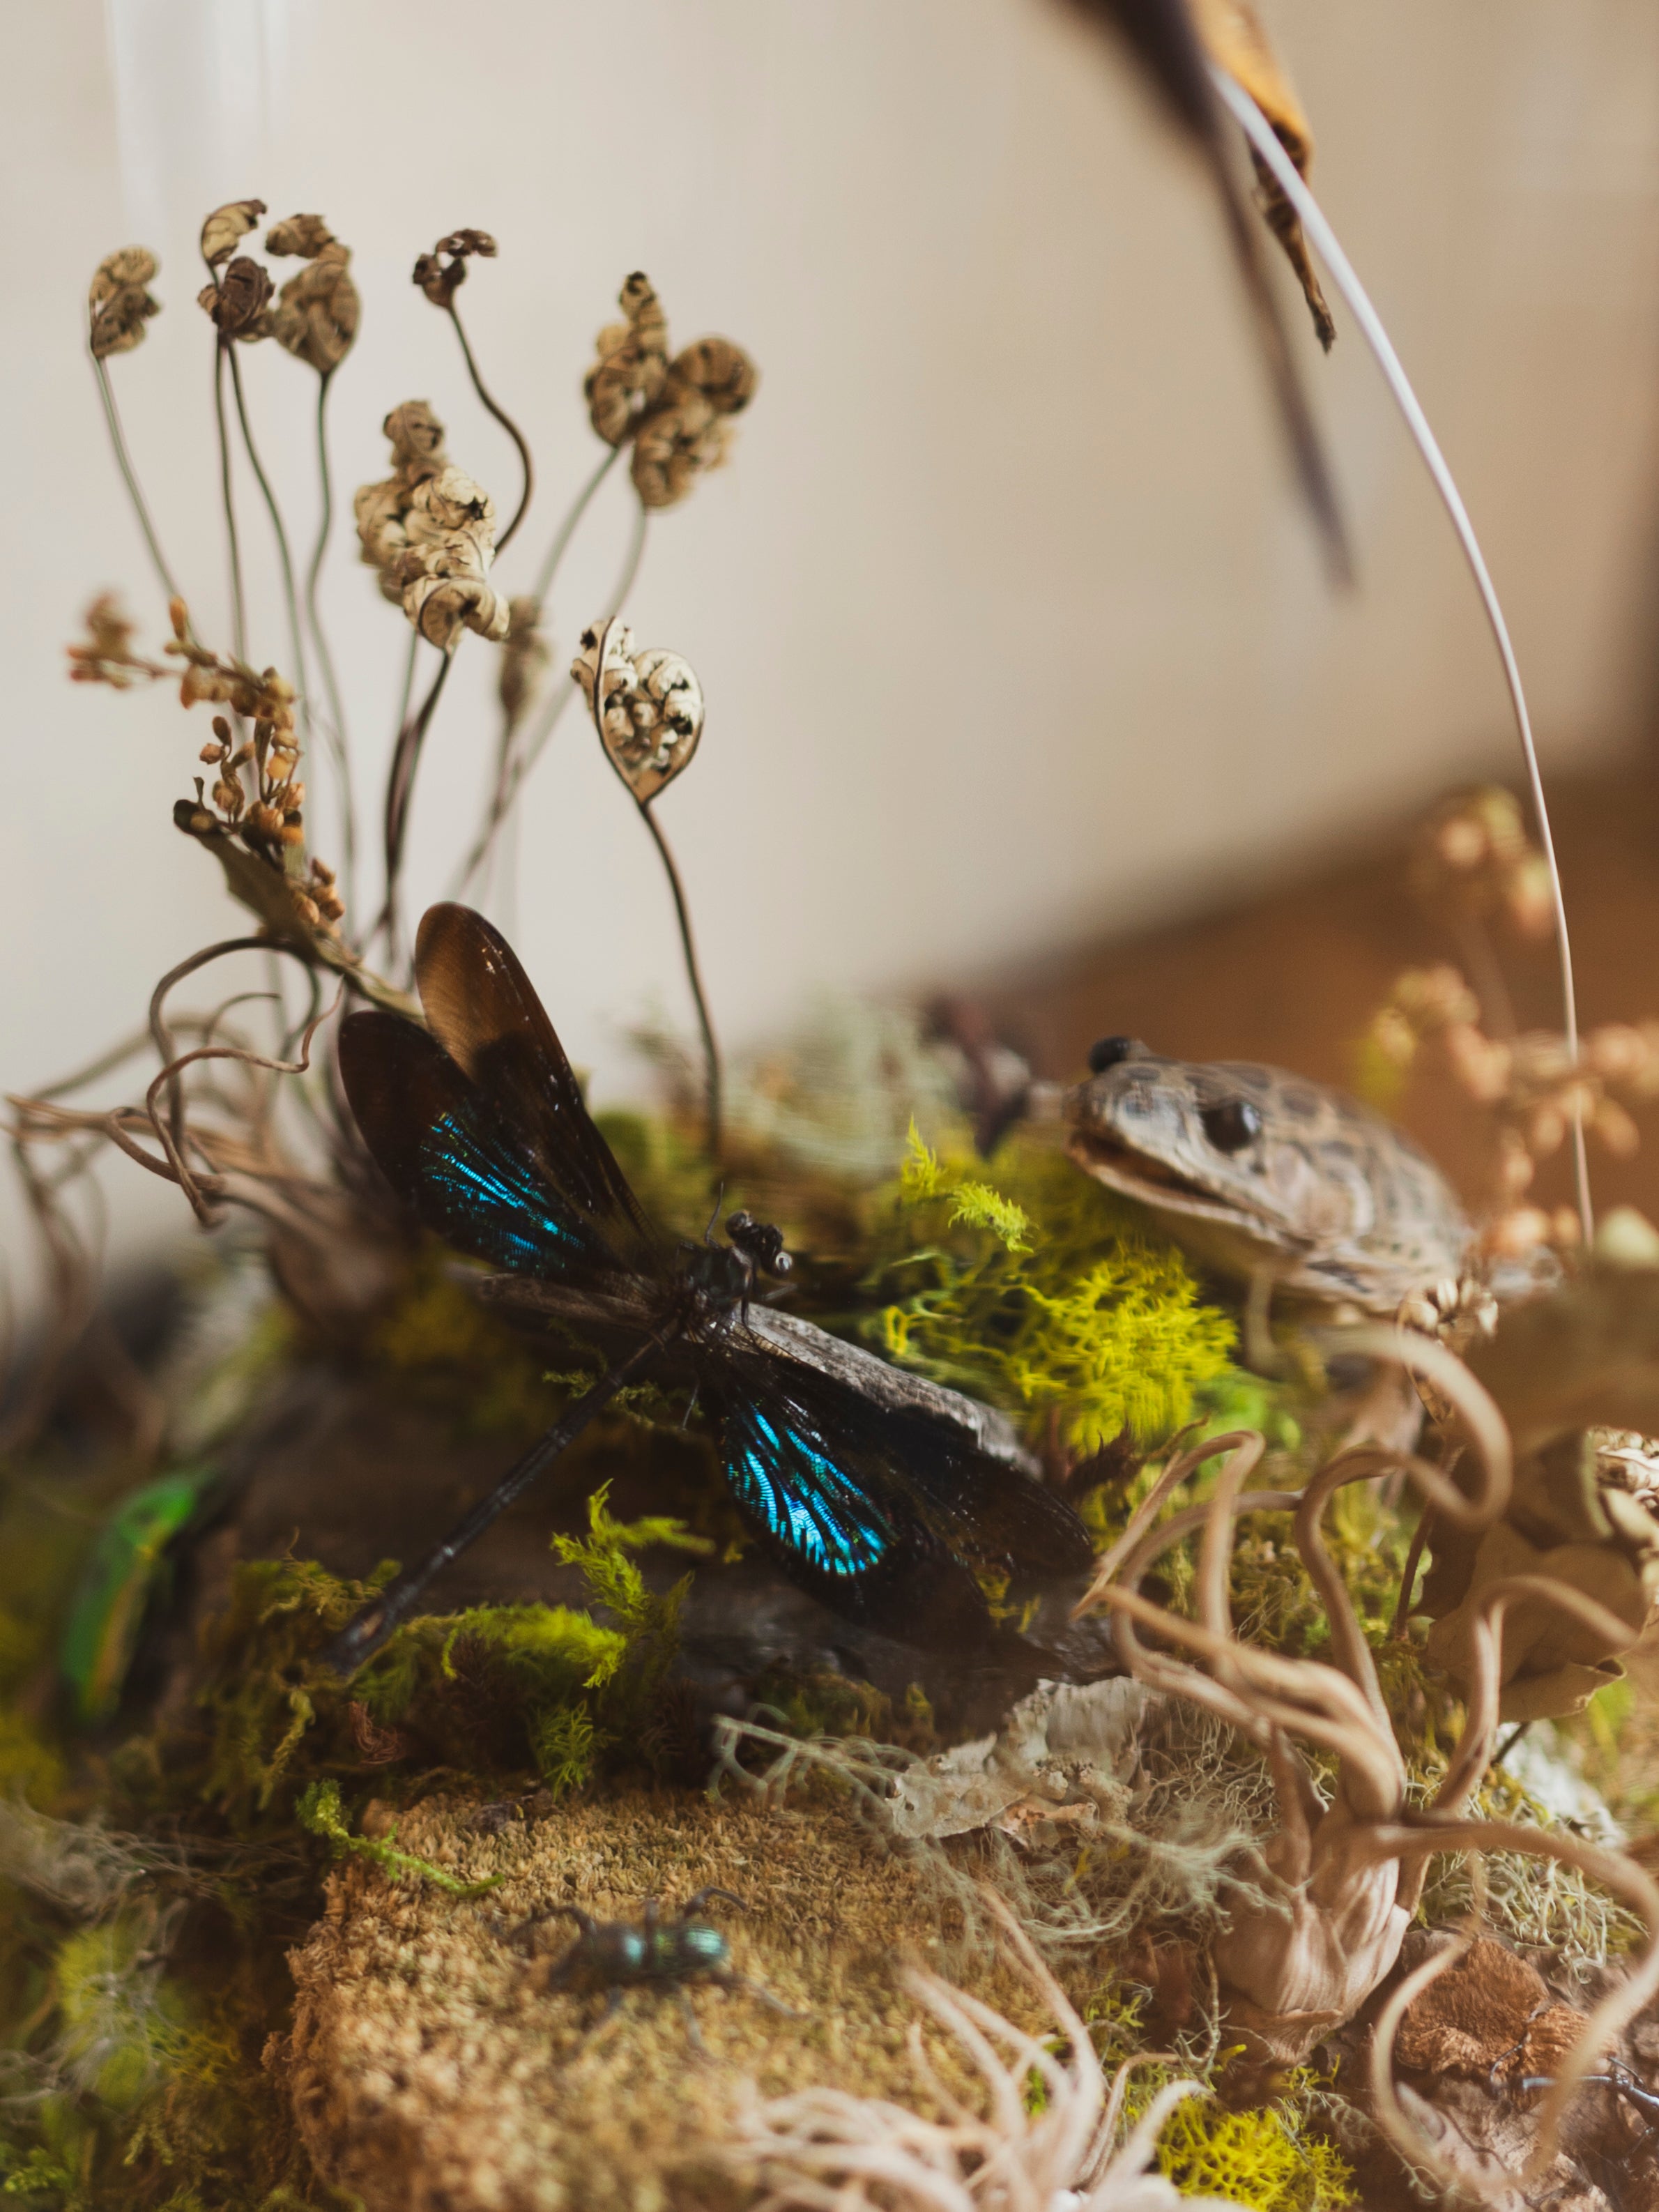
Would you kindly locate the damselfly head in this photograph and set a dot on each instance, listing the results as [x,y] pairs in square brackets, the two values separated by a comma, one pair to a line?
[760,1244]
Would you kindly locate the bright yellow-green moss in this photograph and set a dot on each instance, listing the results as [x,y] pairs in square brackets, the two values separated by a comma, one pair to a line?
[1034,1292]
[1266,2160]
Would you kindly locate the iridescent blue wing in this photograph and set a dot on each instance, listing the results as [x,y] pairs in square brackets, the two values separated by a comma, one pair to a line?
[888,1516]
[484,1011]
[466,1168]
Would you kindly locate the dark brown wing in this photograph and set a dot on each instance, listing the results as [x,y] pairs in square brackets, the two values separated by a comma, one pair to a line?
[484,1012]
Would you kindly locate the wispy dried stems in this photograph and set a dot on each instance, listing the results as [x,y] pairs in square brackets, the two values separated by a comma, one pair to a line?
[1339,1881]
[828,2150]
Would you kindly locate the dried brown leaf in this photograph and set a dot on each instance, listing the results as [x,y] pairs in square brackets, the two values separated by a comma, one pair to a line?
[1232,34]
[1553,1664]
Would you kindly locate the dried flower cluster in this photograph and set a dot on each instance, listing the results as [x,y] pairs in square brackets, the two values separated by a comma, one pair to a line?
[1473,854]
[316,317]
[439,272]
[430,531]
[1529,1084]
[256,789]
[118,304]
[675,411]
[647,705]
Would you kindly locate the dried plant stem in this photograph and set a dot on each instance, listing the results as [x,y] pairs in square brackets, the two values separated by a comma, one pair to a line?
[514,763]
[399,791]
[238,606]
[1268,148]
[290,596]
[325,657]
[130,477]
[710,1049]
[493,406]
[631,561]
[567,529]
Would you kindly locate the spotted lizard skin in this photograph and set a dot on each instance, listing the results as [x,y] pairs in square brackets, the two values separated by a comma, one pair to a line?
[1327,1196]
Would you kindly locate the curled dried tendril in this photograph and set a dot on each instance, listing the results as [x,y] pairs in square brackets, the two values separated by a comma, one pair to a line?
[430,531]
[316,317]
[1335,1887]
[439,272]
[647,705]
[676,411]
[225,226]
[118,304]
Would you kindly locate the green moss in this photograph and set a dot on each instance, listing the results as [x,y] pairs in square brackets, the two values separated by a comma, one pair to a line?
[497,1687]
[1035,1293]
[320,1812]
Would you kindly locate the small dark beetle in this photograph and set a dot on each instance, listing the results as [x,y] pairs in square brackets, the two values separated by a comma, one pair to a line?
[614,1955]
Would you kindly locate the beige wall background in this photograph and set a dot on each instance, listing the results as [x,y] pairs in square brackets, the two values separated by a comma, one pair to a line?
[1011,629]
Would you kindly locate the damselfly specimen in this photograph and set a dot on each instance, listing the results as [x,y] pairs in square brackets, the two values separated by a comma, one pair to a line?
[889,1498]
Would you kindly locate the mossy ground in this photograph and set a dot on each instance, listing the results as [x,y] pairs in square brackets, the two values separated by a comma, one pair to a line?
[277,1810]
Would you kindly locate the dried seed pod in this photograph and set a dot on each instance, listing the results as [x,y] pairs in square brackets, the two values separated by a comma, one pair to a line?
[418,438]
[430,531]
[225,226]
[304,235]
[440,607]
[683,432]
[633,362]
[117,303]
[437,273]
[316,317]
[647,705]
[239,301]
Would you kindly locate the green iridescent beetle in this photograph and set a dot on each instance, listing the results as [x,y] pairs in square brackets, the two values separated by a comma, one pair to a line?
[128,1566]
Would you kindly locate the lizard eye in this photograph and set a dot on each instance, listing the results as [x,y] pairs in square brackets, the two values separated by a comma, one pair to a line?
[1106,1052]
[1232,1125]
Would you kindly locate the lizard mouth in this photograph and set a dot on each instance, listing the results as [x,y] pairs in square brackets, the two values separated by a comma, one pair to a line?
[1123,1168]
[1128,1165]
